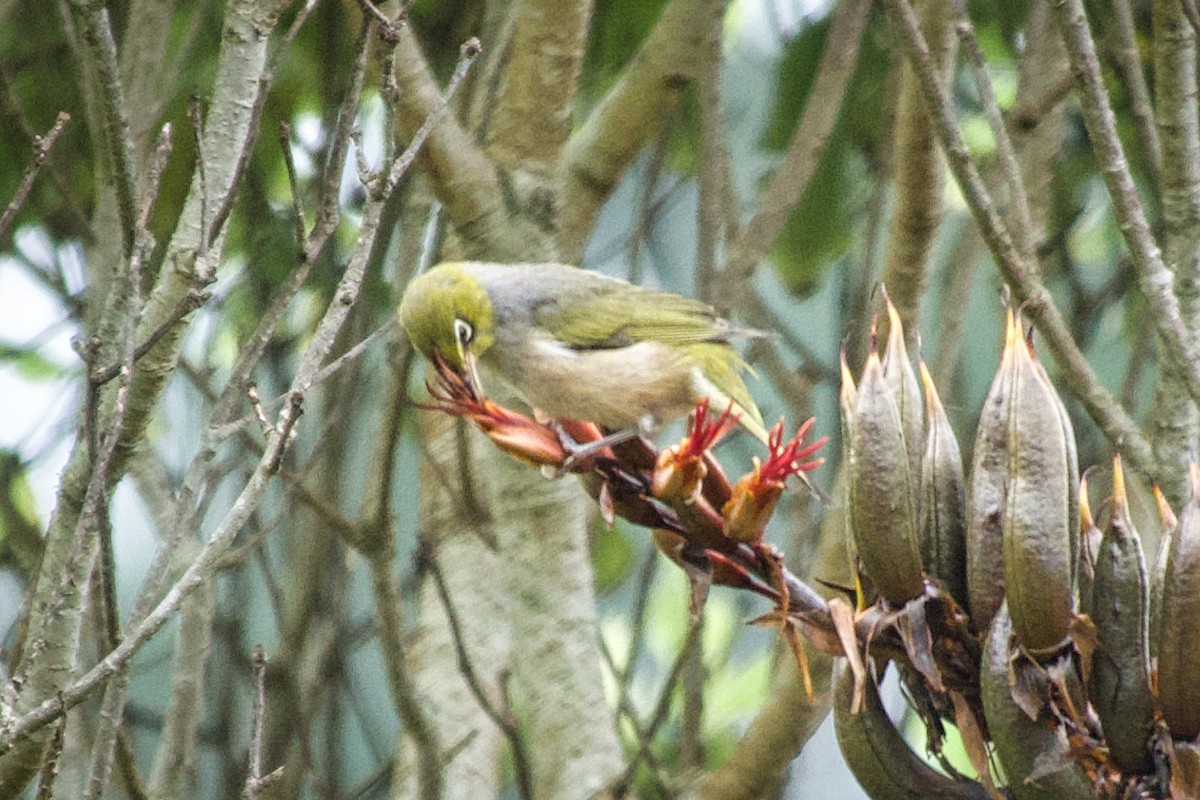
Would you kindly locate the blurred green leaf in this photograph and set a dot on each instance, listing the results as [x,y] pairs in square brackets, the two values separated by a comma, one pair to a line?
[617,31]
[612,556]
[31,364]
[819,229]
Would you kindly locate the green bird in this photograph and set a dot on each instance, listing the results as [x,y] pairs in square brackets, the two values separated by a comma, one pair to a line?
[576,344]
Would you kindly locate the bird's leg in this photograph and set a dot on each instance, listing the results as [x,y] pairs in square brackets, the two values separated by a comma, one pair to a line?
[578,452]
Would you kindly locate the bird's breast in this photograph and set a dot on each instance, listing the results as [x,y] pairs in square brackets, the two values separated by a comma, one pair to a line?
[614,387]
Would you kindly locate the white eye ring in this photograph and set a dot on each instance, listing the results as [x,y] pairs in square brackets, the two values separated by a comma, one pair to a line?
[463,332]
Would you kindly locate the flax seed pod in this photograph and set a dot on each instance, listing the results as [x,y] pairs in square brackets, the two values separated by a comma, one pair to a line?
[906,391]
[1178,625]
[882,516]
[884,764]
[1119,684]
[1170,524]
[1089,549]
[1036,529]
[943,498]
[847,397]
[988,489]
[1072,471]
[1024,744]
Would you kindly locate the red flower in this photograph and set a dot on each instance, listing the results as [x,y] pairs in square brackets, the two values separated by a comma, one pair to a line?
[755,495]
[515,434]
[681,469]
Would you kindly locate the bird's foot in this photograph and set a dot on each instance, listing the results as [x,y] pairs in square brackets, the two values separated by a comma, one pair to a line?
[579,453]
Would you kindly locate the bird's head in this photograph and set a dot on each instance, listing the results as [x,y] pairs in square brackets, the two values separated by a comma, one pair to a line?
[447,311]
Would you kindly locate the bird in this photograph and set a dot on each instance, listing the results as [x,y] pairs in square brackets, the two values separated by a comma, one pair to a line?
[574,343]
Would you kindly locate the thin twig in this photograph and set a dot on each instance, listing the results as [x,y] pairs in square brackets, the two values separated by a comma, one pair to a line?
[502,718]
[42,145]
[469,51]
[1004,146]
[256,782]
[625,709]
[285,147]
[1129,59]
[383,19]
[326,372]
[102,50]
[190,302]
[1039,307]
[663,706]
[329,208]
[61,182]
[196,116]
[48,774]
[637,639]
[418,725]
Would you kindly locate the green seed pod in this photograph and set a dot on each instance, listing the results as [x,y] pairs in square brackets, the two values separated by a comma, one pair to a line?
[1028,750]
[1178,625]
[902,380]
[847,397]
[1072,472]
[943,498]
[1089,548]
[1036,530]
[882,516]
[884,764]
[1169,525]
[988,490]
[1119,684]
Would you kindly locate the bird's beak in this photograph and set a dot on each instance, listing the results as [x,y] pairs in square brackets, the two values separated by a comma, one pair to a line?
[471,370]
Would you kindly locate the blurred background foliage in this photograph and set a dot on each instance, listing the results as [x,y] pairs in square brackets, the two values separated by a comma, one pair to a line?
[822,270]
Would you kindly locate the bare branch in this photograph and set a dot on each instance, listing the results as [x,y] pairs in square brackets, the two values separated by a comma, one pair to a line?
[1023,220]
[1155,280]
[918,171]
[61,182]
[467,55]
[285,147]
[42,145]
[256,782]
[503,718]
[49,771]
[190,302]
[418,724]
[372,10]
[1129,59]
[662,707]
[1189,9]
[92,18]
[219,541]
[1028,288]
[1173,420]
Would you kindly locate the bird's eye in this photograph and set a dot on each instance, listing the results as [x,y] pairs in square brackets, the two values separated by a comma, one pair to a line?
[463,331]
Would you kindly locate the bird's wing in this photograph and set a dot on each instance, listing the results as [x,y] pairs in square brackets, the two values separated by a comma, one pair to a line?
[609,314]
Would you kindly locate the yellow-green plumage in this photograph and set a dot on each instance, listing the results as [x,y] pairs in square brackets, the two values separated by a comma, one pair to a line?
[574,343]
